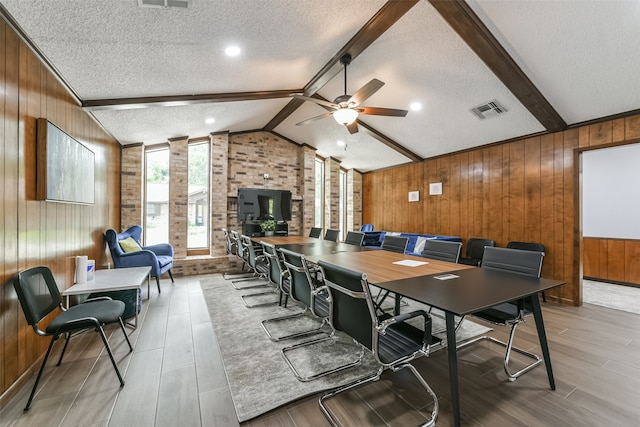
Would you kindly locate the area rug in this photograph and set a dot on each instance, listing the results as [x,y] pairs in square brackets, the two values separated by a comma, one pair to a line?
[610,295]
[259,378]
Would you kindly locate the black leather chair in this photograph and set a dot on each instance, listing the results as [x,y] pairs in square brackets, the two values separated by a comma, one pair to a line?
[395,243]
[39,297]
[315,232]
[393,342]
[354,238]
[528,263]
[332,235]
[442,250]
[307,292]
[475,250]
[242,244]
[259,264]
[278,274]
[528,246]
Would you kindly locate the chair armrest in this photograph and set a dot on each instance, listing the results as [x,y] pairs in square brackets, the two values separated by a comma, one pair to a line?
[83,322]
[102,298]
[160,249]
[139,259]
[403,318]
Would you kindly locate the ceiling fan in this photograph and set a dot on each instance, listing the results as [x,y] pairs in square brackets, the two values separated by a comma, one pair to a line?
[346,108]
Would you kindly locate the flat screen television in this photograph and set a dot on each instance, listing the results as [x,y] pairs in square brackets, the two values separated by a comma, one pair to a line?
[256,204]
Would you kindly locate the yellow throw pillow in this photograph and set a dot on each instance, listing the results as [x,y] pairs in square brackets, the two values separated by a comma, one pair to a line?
[129,245]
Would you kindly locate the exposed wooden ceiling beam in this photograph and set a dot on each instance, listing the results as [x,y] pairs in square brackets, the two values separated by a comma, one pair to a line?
[374,133]
[164,101]
[478,37]
[388,15]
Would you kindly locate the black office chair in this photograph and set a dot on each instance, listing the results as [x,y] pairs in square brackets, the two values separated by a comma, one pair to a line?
[528,246]
[393,342]
[242,244]
[278,274]
[301,275]
[475,250]
[306,291]
[395,243]
[354,238]
[332,235]
[528,263]
[260,266]
[442,250]
[315,232]
[39,297]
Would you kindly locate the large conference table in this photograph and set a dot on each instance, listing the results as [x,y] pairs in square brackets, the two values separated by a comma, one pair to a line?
[456,289]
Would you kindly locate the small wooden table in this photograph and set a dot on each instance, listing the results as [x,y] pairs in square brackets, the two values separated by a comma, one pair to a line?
[117,279]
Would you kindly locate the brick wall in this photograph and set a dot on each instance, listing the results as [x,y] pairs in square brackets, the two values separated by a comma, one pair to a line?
[354,200]
[178,192]
[132,177]
[332,193]
[237,161]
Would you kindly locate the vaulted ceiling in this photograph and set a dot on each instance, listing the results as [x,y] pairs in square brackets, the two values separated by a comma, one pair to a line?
[151,74]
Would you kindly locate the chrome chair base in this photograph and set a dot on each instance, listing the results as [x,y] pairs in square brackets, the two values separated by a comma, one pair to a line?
[320,374]
[509,346]
[375,377]
[319,330]
[273,292]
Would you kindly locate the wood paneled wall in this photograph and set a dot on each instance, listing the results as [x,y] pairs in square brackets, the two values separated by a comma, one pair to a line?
[35,232]
[526,190]
[617,260]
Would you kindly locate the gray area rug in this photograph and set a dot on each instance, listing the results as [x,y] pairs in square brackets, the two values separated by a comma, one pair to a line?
[610,295]
[259,378]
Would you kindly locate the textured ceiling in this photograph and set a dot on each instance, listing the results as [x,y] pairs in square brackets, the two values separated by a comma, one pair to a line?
[579,55]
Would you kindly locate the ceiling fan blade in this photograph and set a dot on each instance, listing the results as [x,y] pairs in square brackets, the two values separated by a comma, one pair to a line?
[318,101]
[375,111]
[313,119]
[365,92]
[353,127]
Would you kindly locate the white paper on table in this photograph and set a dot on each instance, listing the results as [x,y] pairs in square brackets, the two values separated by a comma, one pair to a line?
[410,263]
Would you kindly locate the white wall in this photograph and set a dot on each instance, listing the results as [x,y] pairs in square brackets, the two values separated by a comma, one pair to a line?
[611,192]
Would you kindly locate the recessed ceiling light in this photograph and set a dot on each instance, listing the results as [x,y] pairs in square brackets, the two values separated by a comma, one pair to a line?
[340,143]
[415,106]
[232,51]
[210,120]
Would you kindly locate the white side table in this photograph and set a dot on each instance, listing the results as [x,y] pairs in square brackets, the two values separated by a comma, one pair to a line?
[117,279]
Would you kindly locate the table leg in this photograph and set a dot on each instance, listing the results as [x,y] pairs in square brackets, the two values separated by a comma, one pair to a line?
[542,336]
[452,352]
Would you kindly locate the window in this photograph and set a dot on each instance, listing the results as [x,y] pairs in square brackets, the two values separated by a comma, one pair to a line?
[319,211]
[343,205]
[156,216]
[198,205]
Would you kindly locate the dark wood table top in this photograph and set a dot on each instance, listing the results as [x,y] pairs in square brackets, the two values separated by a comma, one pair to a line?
[383,266]
[472,289]
[309,246]
[287,240]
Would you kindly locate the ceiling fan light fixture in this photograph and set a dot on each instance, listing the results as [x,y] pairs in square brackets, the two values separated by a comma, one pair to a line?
[345,116]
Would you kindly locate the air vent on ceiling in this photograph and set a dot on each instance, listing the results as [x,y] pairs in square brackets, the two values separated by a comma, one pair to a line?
[178,4]
[488,110]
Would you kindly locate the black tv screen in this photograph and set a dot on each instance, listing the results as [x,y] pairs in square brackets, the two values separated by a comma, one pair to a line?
[256,204]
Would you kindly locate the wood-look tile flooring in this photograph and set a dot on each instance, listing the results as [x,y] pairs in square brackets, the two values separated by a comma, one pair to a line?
[175,377]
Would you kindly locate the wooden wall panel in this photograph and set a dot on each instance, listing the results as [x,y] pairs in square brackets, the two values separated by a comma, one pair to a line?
[632,261]
[617,260]
[522,190]
[35,232]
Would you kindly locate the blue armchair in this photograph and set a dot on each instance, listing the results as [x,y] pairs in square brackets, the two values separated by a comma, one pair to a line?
[366,227]
[159,257]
